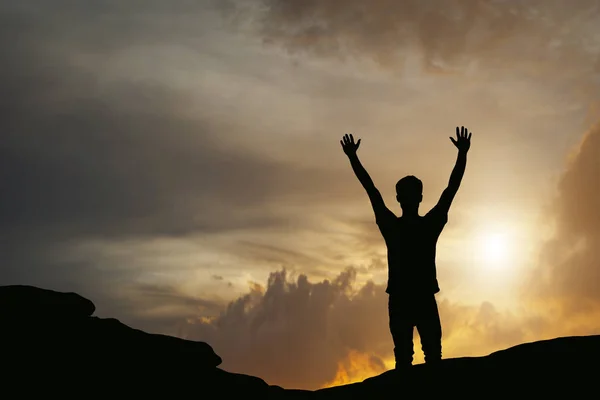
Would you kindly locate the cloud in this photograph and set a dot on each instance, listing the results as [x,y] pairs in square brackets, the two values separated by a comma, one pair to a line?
[293,333]
[127,162]
[451,35]
[157,308]
[88,153]
[301,334]
[568,276]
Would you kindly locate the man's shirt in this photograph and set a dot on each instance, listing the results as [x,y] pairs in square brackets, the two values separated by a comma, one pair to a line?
[411,250]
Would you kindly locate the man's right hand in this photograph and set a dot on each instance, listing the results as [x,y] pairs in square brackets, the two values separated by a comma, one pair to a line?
[463,139]
[348,144]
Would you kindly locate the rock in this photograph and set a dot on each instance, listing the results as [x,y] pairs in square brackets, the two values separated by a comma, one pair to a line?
[71,354]
[543,368]
[29,302]
[44,323]
[115,337]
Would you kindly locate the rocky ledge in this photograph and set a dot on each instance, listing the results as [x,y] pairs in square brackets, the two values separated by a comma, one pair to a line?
[52,344]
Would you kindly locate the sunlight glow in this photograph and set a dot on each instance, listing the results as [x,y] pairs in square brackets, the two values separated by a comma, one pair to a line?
[495,246]
[357,367]
[494,249]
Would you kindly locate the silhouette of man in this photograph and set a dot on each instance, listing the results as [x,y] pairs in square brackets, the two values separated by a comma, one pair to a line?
[411,246]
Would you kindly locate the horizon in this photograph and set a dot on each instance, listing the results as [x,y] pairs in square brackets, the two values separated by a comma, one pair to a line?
[180,166]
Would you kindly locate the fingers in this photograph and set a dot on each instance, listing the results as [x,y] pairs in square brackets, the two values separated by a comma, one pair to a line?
[460,132]
[453,140]
[463,133]
[348,139]
[345,140]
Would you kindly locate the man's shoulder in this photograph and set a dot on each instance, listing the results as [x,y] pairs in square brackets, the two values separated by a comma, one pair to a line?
[386,217]
[437,213]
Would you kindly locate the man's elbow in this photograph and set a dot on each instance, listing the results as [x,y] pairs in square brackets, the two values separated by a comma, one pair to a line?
[447,197]
[370,187]
[451,190]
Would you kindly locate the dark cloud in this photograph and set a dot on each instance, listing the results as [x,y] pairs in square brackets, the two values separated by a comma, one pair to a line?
[87,156]
[102,27]
[450,34]
[296,333]
[569,272]
[156,308]
[279,332]
[127,163]
[166,295]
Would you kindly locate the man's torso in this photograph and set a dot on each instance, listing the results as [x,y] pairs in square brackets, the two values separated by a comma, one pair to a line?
[411,247]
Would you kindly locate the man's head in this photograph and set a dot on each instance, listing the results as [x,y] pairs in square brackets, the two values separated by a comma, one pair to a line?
[409,191]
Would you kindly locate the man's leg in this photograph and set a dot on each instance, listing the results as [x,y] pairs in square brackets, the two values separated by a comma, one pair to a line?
[430,329]
[401,328]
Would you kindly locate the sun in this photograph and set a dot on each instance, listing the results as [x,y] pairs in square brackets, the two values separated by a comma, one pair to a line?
[494,248]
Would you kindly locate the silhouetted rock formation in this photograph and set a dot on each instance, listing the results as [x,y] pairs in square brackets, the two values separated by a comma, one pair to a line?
[558,367]
[54,335]
[19,301]
[52,345]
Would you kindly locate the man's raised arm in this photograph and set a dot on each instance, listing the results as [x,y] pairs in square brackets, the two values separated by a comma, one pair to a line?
[463,144]
[350,147]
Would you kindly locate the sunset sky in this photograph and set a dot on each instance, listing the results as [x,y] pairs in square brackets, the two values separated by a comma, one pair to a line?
[178,163]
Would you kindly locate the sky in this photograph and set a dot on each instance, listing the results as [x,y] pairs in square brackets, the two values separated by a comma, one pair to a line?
[179,164]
